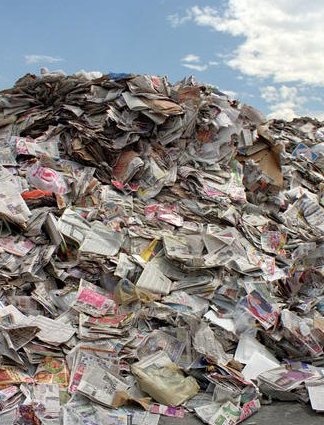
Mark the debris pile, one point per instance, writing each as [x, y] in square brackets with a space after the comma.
[161, 251]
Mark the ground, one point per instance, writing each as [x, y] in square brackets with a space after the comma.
[276, 414]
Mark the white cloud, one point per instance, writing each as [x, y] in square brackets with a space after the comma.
[191, 58]
[317, 114]
[284, 102]
[196, 67]
[175, 20]
[191, 61]
[230, 93]
[281, 39]
[34, 59]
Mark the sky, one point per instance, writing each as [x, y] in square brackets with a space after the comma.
[267, 53]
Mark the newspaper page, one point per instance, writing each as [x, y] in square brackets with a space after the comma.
[114, 416]
[312, 212]
[12, 205]
[160, 212]
[7, 156]
[12, 375]
[100, 384]
[37, 258]
[260, 309]
[93, 300]
[273, 241]
[205, 342]
[305, 343]
[182, 301]
[183, 248]
[207, 411]
[248, 409]
[41, 295]
[228, 414]
[316, 394]
[83, 359]
[8, 352]
[79, 414]
[288, 378]
[16, 245]
[73, 226]
[9, 398]
[161, 409]
[9, 417]
[52, 370]
[36, 351]
[83, 413]
[153, 280]
[115, 204]
[161, 341]
[197, 283]
[247, 346]
[28, 146]
[258, 364]
[26, 304]
[17, 316]
[51, 331]
[51, 226]
[124, 266]
[199, 400]
[107, 323]
[167, 268]
[18, 335]
[47, 399]
[101, 241]
[134, 102]
[140, 417]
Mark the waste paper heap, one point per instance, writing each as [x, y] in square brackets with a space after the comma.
[161, 252]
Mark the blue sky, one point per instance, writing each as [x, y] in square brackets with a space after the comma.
[267, 52]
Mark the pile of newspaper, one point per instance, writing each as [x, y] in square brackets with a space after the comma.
[161, 252]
